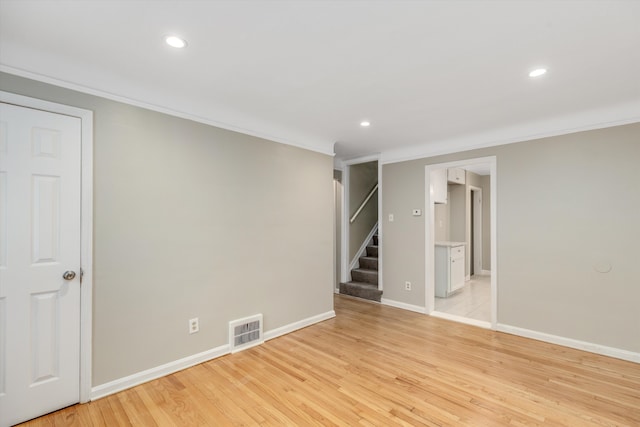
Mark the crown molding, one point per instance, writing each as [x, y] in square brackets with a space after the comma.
[317, 146]
[617, 115]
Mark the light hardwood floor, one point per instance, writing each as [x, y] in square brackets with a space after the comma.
[472, 301]
[375, 365]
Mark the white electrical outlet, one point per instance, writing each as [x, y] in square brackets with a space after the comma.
[407, 286]
[416, 212]
[194, 325]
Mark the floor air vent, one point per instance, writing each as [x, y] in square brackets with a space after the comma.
[245, 333]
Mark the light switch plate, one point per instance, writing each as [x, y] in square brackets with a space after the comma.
[417, 212]
[390, 217]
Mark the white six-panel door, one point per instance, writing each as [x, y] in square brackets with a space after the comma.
[39, 241]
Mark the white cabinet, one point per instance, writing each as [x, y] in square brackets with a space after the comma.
[456, 176]
[449, 268]
[439, 185]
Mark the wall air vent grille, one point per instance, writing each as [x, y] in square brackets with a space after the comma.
[245, 333]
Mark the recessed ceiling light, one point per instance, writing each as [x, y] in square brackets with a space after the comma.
[365, 123]
[537, 72]
[176, 42]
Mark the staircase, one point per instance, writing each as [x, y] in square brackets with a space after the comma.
[364, 283]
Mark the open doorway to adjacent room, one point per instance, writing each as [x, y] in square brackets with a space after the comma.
[460, 241]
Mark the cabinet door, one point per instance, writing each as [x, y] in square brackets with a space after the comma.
[456, 176]
[439, 186]
[457, 273]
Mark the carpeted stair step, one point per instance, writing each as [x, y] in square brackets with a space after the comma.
[375, 239]
[372, 251]
[369, 262]
[361, 290]
[365, 276]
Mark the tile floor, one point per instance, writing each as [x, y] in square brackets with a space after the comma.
[472, 301]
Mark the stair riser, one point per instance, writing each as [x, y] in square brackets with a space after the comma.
[369, 263]
[370, 294]
[375, 240]
[372, 251]
[366, 277]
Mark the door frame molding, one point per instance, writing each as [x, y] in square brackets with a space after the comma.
[86, 224]
[476, 225]
[345, 167]
[430, 240]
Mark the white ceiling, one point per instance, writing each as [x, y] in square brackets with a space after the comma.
[431, 76]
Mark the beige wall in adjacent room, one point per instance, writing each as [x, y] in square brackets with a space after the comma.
[486, 222]
[196, 221]
[482, 182]
[565, 205]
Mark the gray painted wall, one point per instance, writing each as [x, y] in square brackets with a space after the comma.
[192, 220]
[565, 205]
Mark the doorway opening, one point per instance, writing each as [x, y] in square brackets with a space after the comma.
[460, 241]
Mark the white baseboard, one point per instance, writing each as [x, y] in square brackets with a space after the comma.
[485, 273]
[186, 362]
[461, 319]
[403, 305]
[157, 372]
[275, 333]
[569, 342]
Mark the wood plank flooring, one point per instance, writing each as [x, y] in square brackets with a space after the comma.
[375, 365]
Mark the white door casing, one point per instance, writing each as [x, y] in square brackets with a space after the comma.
[490, 161]
[40, 239]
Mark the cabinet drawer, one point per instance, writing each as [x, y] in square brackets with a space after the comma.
[457, 252]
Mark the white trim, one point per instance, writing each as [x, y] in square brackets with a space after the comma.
[157, 372]
[320, 147]
[337, 192]
[363, 248]
[429, 242]
[403, 305]
[493, 218]
[345, 274]
[346, 224]
[429, 232]
[601, 118]
[186, 362]
[86, 225]
[461, 319]
[286, 329]
[485, 273]
[379, 226]
[569, 342]
[363, 159]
